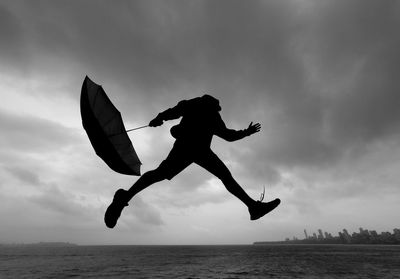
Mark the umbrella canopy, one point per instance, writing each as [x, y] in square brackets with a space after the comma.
[106, 131]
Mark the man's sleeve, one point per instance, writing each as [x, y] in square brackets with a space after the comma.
[228, 134]
[173, 113]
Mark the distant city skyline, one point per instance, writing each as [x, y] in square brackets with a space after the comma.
[364, 236]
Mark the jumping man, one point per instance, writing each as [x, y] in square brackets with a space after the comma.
[200, 121]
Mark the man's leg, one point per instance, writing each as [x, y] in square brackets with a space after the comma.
[145, 181]
[213, 164]
[171, 166]
[210, 161]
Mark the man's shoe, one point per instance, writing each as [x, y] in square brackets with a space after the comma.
[115, 208]
[259, 209]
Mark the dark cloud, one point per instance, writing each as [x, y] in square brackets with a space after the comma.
[359, 50]
[11, 46]
[159, 50]
[341, 91]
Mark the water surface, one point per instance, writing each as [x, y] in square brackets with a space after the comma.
[247, 261]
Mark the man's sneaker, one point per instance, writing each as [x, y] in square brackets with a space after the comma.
[115, 208]
[259, 209]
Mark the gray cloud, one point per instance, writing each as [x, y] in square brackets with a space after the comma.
[143, 212]
[189, 197]
[52, 199]
[24, 175]
[25, 133]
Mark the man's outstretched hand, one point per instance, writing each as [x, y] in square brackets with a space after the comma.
[156, 122]
[253, 128]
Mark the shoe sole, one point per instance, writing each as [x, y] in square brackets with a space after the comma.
[273, 204]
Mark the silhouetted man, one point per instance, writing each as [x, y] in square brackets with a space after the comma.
[200, 121]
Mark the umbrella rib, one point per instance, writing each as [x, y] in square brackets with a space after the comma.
[109, 121]
[121, 144]
[95, 97]
[116, 134]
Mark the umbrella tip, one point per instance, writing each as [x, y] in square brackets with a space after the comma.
[87, 79]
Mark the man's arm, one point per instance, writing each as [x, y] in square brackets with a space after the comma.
[169, 114]
[233, 135]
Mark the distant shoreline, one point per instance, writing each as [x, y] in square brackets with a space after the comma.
[257, 243]
[42, 244]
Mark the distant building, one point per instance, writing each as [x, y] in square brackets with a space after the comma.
[328, 235]
[320, 234]
[364, 232]
[315, 236]
[346, 236]
[396, 233]
[374, 237]
[305, 234]
[342, 238]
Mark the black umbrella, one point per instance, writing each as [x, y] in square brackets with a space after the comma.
[106, 131]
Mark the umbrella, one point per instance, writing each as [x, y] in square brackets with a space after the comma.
[106, 131]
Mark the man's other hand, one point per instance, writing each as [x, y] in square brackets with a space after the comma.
[253, 128]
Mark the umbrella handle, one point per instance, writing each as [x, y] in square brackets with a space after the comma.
[141, 127]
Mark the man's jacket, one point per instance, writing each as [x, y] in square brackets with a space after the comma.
[200, 121]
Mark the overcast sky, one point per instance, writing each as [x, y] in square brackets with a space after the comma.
[322, 77]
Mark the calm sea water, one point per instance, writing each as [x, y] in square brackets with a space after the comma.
[274, 261]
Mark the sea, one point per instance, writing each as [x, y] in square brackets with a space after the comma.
[228, 261]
